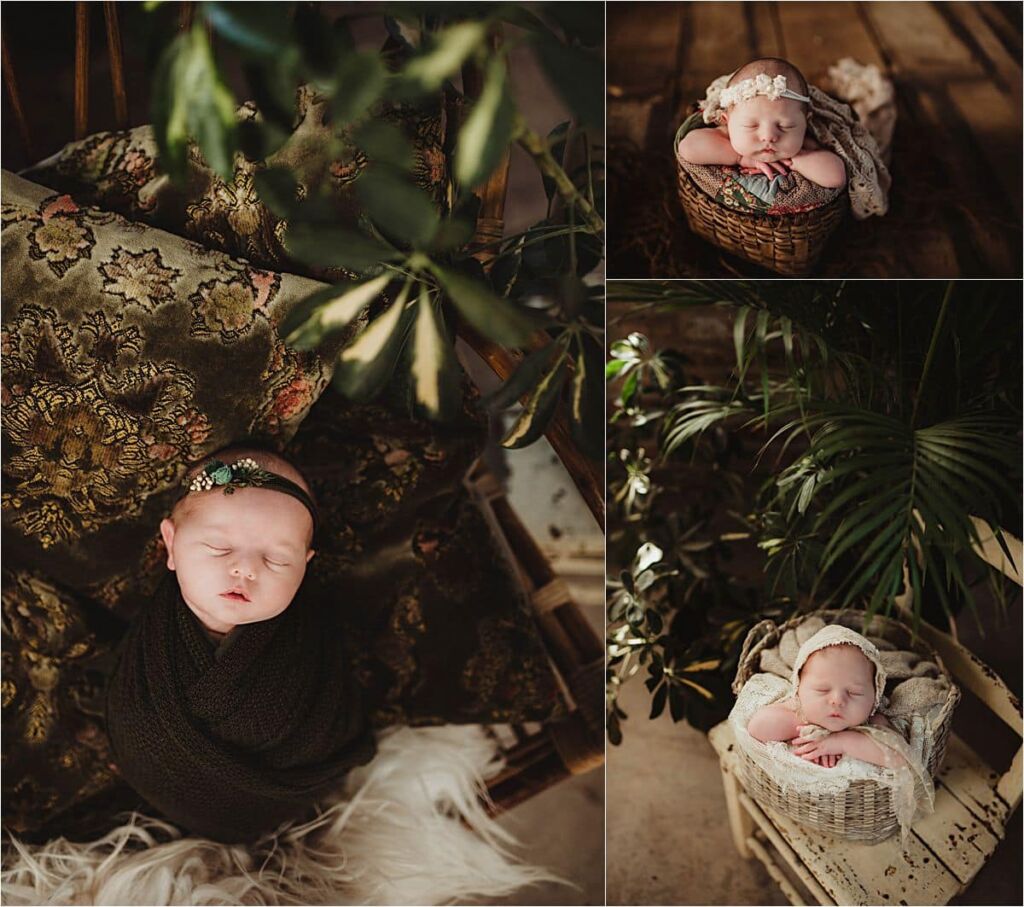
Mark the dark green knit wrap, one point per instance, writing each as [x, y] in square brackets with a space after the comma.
[229, 741]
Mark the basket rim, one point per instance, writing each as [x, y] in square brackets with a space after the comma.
[776, 221]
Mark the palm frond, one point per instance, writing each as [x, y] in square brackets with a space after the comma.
[889, 495]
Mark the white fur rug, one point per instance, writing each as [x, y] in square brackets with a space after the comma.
[409, 829]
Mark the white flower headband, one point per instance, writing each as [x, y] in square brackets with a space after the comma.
[719, 97]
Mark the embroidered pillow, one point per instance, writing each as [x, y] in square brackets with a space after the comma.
[118, 171]
[128, 354]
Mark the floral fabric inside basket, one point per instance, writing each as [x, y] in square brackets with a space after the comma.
[754, 193]
[916, 702]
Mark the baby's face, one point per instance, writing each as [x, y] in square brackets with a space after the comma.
[240, 558]
[837, 688]
[767, 130]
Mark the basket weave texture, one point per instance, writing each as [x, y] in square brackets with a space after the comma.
[789, 244]
[864, 811]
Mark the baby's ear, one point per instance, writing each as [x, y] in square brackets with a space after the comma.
[309, 555]
[167, 531]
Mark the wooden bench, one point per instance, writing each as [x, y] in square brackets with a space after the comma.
[973, 803]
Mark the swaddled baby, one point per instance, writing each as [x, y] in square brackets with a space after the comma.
[763, 127]
[839, 686]
[230, 709]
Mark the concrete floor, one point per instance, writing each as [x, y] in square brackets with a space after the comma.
[668, 837]
[562, 830]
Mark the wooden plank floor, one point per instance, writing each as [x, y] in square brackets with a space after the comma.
[956, 198]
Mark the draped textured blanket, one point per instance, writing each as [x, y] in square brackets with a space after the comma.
[231, 740]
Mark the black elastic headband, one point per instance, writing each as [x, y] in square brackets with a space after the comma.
[247, 473]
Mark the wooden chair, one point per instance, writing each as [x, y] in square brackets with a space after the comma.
[945, 851]
[537, 756]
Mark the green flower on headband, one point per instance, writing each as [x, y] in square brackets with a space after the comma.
[243, 473]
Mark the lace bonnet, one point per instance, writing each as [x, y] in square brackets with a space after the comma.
[837, 635]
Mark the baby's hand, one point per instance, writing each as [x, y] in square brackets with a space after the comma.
[768, 168]
[817, 750]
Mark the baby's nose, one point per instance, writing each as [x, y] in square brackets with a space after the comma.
[243, 569]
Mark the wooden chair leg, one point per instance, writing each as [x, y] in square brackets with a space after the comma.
[740, 823]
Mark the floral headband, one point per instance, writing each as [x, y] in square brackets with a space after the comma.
[247, 473]
[720, 95]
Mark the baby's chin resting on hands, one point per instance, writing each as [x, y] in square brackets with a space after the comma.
[712, 146]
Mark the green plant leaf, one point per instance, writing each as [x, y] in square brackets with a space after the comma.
[556, 139]
[278, 190]
[191, 100]
[260, 29]
[587, 410]
[434, 370]
[397, 207]
[487, 131]
[613, 367]
[328, 311]
[336, 247]
[384, 143]
[258, 140]
[540, 408]
[366, 364]
[361, 81]
[445, 53]
[497, 318]
[658, 701]
[523, 379]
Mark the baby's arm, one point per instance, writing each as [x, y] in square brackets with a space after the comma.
[707, 146]
[711, 146]
[777, 721]
[821, 167]
[850, 743]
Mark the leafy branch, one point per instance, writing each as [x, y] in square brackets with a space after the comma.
[865, 438]
[409, 257]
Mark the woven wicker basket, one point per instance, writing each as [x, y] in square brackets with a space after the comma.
[864, 812]
[789, 244]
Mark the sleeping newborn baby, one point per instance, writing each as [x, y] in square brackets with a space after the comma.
[230, 708]
[838, 689]
[240, 557]
[763, 127]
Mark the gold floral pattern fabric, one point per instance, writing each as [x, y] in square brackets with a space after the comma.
[54, 664]
[128, 354]
[117, 171]
[437, 627]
